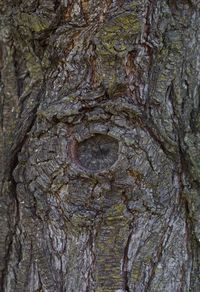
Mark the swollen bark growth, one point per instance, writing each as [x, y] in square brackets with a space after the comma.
[100, 145]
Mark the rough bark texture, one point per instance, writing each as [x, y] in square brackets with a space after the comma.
[100, 145]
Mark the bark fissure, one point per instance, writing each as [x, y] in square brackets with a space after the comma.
[99, 146]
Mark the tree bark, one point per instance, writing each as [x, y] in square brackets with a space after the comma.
[100, 145]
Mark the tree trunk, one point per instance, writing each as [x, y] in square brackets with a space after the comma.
[100, 145]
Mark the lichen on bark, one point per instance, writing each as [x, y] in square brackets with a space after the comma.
[99, 146]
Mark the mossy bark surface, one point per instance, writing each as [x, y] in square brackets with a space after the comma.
[99, 146]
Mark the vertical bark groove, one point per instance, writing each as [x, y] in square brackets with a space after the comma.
[99, 145]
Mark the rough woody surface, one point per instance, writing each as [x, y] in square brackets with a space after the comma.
[99, 145]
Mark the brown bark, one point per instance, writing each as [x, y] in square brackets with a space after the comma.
[99, 145]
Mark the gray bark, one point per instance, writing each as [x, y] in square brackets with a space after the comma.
[100, 145]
